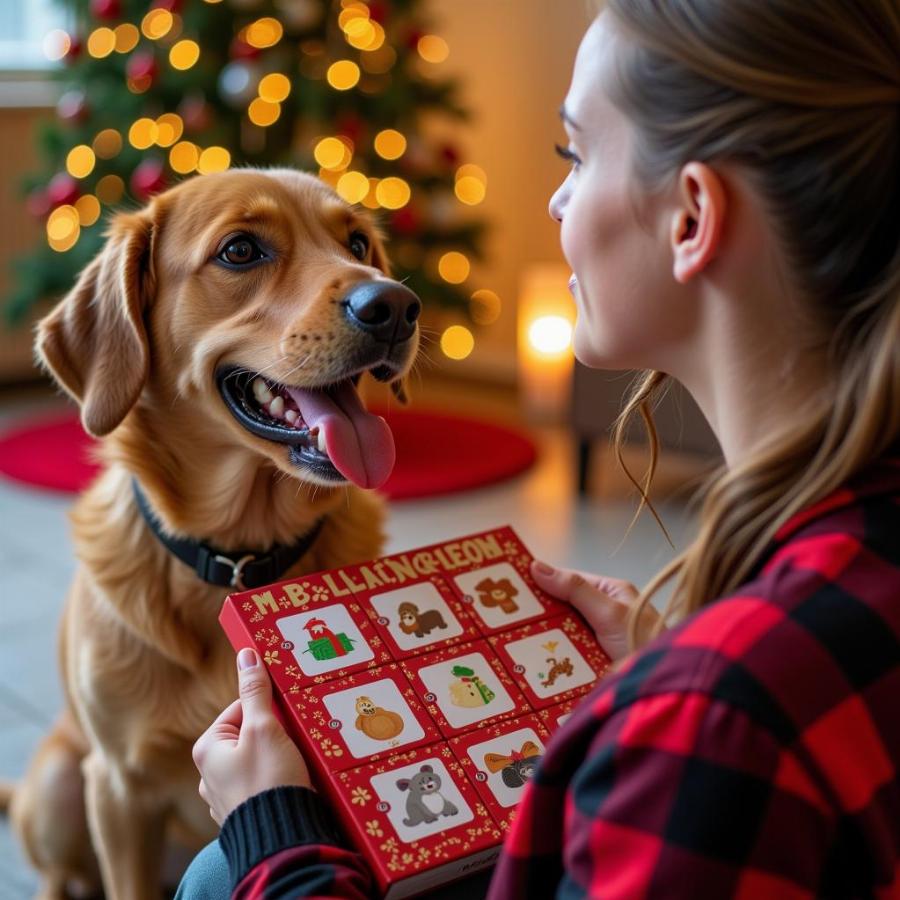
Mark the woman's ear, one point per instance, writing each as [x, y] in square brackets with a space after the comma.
[697, 225]
[94, 342]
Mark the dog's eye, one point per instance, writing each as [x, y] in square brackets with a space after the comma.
[241, 251]
[359, 244]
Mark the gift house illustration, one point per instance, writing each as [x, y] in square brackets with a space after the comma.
[324, 643]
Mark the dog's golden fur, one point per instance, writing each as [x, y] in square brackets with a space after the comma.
[136, 342]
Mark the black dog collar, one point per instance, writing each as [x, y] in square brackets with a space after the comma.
[239, 569]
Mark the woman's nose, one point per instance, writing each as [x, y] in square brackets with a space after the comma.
[556, 205]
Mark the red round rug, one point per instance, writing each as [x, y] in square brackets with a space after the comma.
[436, 453]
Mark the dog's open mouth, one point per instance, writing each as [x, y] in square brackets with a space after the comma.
[328, 429]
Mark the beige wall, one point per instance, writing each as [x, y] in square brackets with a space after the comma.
[515, 58]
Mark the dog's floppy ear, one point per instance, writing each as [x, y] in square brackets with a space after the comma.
[94, 341]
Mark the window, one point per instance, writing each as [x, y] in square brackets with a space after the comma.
[23, 26]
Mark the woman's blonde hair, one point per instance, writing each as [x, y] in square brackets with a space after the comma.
[804, 96]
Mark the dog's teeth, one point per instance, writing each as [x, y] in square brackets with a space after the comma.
[276, 407]
[291, 416]
[261, 391]
[320, 442]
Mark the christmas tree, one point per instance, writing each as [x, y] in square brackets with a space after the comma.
[155, 92]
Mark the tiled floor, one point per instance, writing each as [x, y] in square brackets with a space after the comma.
[36, 565]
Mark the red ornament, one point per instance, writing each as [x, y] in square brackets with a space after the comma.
[72, 107]
[242, 50]
[74, 50]
[173, 6]
[141, 67]
[63, 188]
[195, 112]
[406, 221]
[449, 154]
[351, 126]
[38, 203]
[413, 37]
[106, 9]
[148, 178]
[378, 11]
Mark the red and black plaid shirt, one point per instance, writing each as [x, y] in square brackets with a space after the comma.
[752, 751]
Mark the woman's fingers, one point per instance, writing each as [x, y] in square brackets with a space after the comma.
[603, 602]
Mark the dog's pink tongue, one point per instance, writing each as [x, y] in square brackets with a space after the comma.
[358, 443]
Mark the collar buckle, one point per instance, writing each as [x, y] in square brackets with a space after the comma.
[237, 569]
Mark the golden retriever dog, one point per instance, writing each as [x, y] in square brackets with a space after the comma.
[215, 345]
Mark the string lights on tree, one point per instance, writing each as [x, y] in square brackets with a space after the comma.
[154, 91]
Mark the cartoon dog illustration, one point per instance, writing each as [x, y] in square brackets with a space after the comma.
[424, 797]
[556, 669]
[375, 722]
[518, 767]
[419, 624]
[498, 593]
[469, 690]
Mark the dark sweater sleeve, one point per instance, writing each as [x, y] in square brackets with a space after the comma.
[283, 843]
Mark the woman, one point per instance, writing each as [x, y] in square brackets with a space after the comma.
[732, 218]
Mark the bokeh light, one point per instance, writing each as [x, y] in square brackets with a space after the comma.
[127, 37]
[353, 187]
[390, 144]
[88, 208]
[143, 133]
[343, 74]
[107, 143]
[392, 193]
[275, 87]
[262, 33]
[262, 112]
[157, 23]
[457, 342]
[550, 334]
[454, 267]
[484, 307]
[80, 161]
[184, 54]
[184, 157]
[432, 48]
[110, 189]
[213, 159]
[101, 42]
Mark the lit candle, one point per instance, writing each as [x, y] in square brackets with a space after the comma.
[546, 314]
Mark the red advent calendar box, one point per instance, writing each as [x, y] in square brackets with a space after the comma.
[422, 688]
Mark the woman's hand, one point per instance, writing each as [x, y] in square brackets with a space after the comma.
[604, 603]
[246, 750]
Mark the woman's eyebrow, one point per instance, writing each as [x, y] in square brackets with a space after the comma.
[564, 115]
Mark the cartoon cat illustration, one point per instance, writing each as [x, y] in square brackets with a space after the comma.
[518, 767]
[424, 797]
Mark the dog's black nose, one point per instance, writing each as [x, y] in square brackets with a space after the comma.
[385, 309]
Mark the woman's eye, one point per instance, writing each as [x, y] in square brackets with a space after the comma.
[240, 251]
[359, 245]
[568, 155]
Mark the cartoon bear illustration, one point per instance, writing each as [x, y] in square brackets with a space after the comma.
[419, 624]
[424, 797]
[498, 593]
[375, 722]
[518, 767]
[469, 690]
